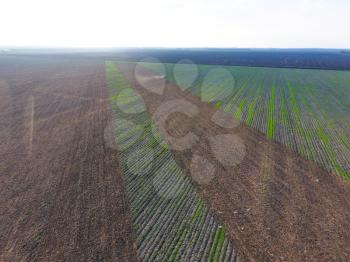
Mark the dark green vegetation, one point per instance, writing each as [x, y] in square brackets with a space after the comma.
[306, 110]
[335, 59]
[171, 222]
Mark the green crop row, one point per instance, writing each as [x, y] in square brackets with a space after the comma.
[306, 110]
[171, 222]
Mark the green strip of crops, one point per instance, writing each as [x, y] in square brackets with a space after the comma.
[170, 220]
[271, 122]
[306, 110]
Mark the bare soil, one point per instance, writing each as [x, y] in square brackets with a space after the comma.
[274, 204]
[62, 195]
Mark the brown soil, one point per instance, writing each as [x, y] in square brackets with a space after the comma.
[275, 205]
[62, 195]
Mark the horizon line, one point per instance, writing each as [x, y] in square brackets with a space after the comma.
[164, 47]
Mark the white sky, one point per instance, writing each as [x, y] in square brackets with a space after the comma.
[175, 23]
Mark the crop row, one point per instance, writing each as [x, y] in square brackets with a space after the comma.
[306, 110]
[170, 220]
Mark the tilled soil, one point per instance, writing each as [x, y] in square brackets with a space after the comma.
[62, 195]
[275, 205]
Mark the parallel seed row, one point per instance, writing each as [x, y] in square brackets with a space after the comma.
[170, 220]
[306, 110]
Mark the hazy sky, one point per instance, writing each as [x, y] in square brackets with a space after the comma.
[176, 23]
